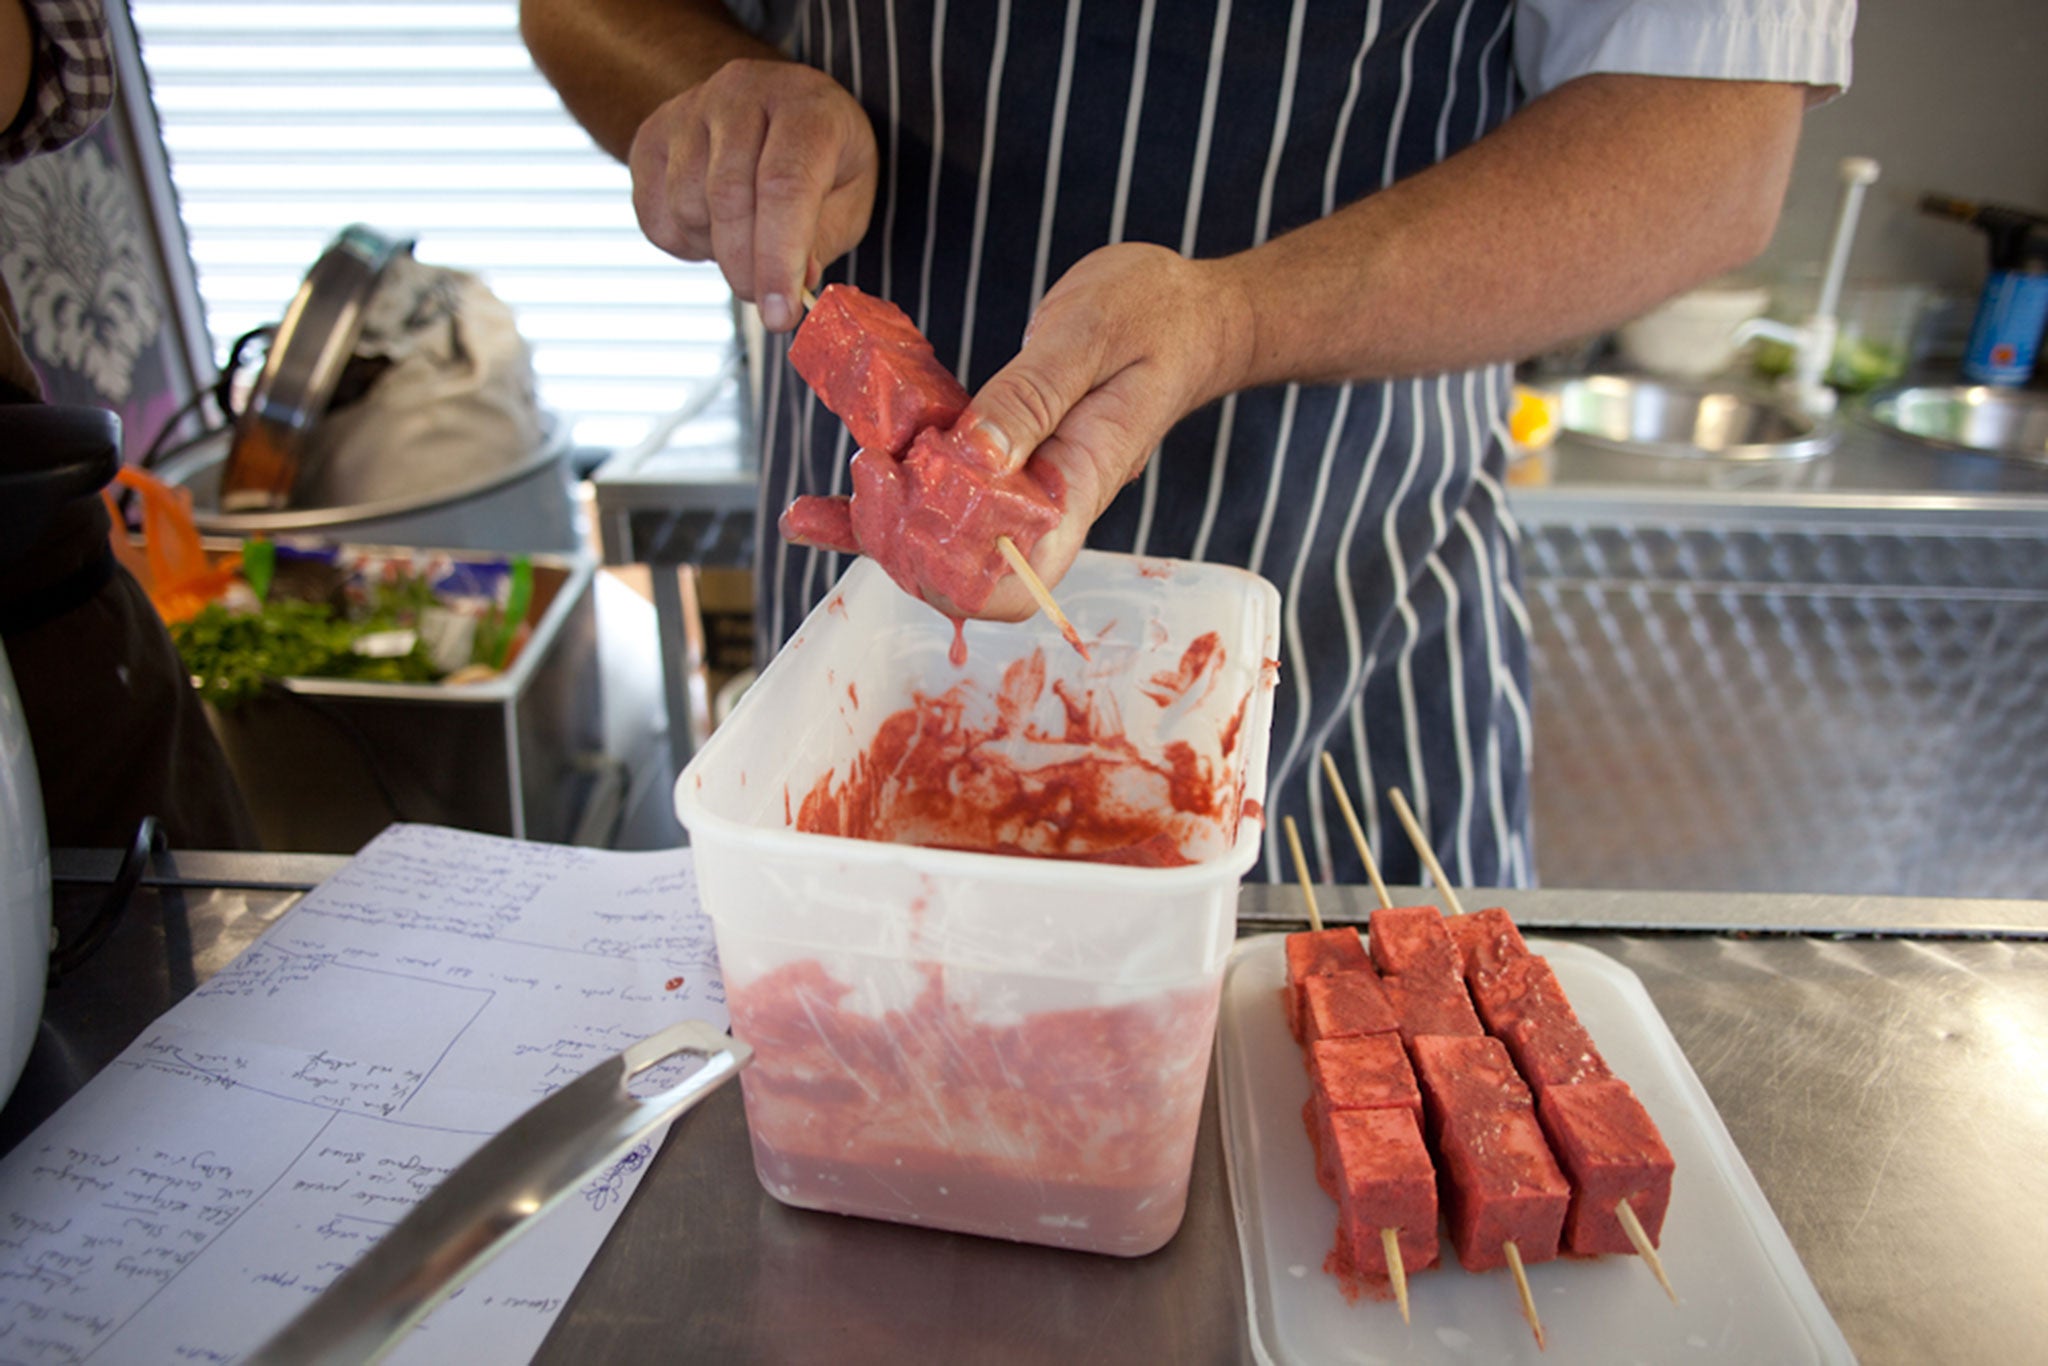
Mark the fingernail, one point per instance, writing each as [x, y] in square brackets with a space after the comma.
[994, 436]
[776, 314]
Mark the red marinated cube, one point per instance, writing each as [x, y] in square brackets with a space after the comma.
[1524, 985]
[1368, 1073]
[874, 370]
[1466, 1075]
[933, 518]
[1319, 953]
[1345, 1005]
[1607, 1143]
[1411, 941]
[1552, 1049]
[1487, 941]
[1425, 1006]
[1500, 1183]
[1386, 1181]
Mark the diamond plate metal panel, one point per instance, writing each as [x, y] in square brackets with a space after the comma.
[1864, 728]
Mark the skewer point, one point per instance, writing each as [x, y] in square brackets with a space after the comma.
[1636, 1234]
[1308, 891]
[1041, 594]
[1397, 1270]
[1514, 1255]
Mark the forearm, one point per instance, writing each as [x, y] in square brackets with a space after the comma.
[1582, 210]
[615, 61]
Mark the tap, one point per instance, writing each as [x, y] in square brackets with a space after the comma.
[1813, 340]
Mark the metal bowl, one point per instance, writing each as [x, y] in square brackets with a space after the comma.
[1641, 415]
[2012, 423]
[313, 345]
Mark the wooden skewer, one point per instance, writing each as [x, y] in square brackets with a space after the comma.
[810, 300]
[1397, 1271]
[1644, 1247]
[1041, 594]
[1372, 867]
[1308, 891]
[1629, 1223]
[1390, 1238]
[1415, 836]
[1522, 1287]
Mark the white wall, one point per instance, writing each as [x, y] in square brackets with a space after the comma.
[1949, 96]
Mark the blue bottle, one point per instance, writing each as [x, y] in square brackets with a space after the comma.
[2005, 337]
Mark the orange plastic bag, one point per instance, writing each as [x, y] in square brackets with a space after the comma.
[172, 565]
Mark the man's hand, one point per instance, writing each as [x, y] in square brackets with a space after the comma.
[767, 168]
[1130, 341]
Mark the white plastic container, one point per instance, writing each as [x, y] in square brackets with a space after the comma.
[986, 1042]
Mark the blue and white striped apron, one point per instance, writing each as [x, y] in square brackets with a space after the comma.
[1014, 139]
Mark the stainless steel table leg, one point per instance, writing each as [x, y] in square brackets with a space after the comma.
[682, 658]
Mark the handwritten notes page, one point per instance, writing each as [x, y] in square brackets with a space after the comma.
[260, 1135]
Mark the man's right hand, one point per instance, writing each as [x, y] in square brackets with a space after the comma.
[767, 168]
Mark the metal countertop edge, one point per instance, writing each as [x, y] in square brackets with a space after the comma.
[1265, 906]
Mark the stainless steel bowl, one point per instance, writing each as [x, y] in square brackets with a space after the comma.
[2012, 423]
[1641, 415]
[313, 345]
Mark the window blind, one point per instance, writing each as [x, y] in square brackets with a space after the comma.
[284, 123]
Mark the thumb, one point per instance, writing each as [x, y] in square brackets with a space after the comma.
[1024, 403]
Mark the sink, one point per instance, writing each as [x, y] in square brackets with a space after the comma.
[2006, 422]
[1643, 415]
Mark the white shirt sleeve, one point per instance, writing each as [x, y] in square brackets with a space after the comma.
[1805, 42]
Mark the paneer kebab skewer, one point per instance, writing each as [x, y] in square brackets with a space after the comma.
[1498, 1203]
[931, 503]
[1364, 1113]
[1600, 1132]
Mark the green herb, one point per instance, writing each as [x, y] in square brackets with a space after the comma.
[233, 656]
[259, 565]
[499, 627]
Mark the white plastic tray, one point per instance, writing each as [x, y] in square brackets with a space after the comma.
[1744, 1297]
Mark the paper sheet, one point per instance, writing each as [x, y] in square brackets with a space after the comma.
[257, 1137]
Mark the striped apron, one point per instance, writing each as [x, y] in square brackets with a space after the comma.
[1014, 139]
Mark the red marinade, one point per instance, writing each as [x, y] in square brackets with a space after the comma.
[1466, 1075]
[1487, 940]
[931, 519]
[1610, 1147]
[1425, 1006]
[1411, 941]
[1500, 1183]
[1316, 953]
[934, 776]
[872, 368]
[1554, 1049]
[1522, 986]
[1039, 1127]
[1367, 1073]
[1385, 1179]
[1345, 1005]
[930, 496]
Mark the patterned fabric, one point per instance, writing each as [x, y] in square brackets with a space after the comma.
[72, 83]
[1014, 139]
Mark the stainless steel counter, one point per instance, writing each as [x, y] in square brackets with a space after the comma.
[1872, 471]
[1819, 677]
[1889, 1090]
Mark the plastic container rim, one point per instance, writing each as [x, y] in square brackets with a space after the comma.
[699, 821]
